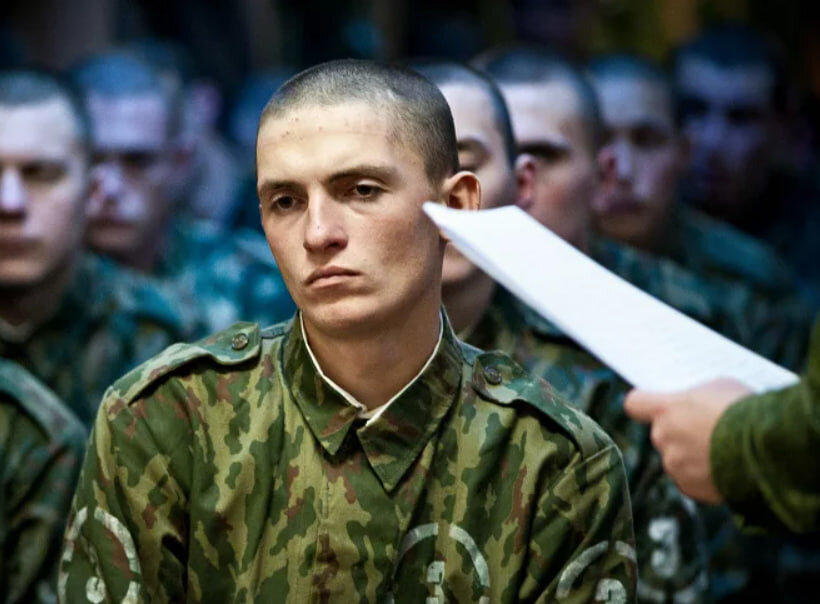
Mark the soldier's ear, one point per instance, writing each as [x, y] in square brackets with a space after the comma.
[525, 170]
[462, 191]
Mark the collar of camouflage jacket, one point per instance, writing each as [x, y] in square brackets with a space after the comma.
[393, 440]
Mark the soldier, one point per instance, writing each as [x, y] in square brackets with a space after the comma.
[360, 451]
[669, 537]
[41, 448]
[76, 322]
[135, 122]
[644, 154]
[733, 97]
[556, 121]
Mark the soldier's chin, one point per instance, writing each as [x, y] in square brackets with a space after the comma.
[21, 275]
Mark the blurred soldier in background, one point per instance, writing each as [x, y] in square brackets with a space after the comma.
[140, 161]
[556, 120]
[668, 532]
[41, 449]
[75, 321]
[643, 156]
[733, 93]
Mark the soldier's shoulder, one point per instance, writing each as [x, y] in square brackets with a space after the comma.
[142, 298]
[231, 347]
[31, 397]
[498, 378]
[736, 253]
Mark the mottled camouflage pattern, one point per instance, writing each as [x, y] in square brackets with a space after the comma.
[229, 275]
[668, 532]
[775, 329]
[41, 448]
[108, 322]
[715, 249]
[229, 471]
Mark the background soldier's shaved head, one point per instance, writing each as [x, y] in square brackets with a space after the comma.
[443, 73]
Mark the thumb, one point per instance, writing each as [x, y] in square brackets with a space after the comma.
[644, 406]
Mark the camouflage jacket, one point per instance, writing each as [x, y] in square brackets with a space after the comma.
[764, 454]
[230, 471]
[775, 329]
[712, 248]
[108, 322]
[668, 532]
[229, 276]
[41, 448]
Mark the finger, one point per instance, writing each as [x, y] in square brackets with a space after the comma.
[644, 406]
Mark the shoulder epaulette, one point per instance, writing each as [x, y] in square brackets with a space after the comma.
[38, 402]
[232, 346]
[498, 378]
[276, 330]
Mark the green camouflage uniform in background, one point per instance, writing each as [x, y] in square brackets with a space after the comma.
[230, 471]
[108, 322]
[668, 532]
[229, 275]
[41, 449]
[712, 248]
[776, 330]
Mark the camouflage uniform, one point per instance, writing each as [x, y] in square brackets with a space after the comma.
[230, 471]
[108, 321]
[41, 448]
[712, 248]
[668, 531]
[230, 276]
[774, 329]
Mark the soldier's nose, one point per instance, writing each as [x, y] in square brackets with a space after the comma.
[13, 198]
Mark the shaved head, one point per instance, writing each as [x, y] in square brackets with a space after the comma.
[416, 107]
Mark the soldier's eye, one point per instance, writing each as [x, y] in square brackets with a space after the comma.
[43, 172]
[365, 191]
[284, 203]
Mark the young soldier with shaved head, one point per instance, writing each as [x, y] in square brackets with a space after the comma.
[75, 321]
[360, 452]
[135, 116]
[668, 533]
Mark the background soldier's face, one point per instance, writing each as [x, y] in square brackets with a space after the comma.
[549, 124]
[43, 178]
[340, 199]
[481, 151]
[133, 163]
[729, 119]
[644, 158]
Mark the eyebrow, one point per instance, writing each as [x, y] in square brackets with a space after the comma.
[384, 173]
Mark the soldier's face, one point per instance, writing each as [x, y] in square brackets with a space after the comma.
[481, 151]
[43, 183]
[729, 119]
[340, 200]
[644, 157]
[549, 124]
[133, 165]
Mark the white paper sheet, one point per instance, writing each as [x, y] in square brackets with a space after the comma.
[650, 344]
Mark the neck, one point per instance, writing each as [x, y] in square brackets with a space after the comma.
[467, 302]
[374, 365]
[31, 306]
